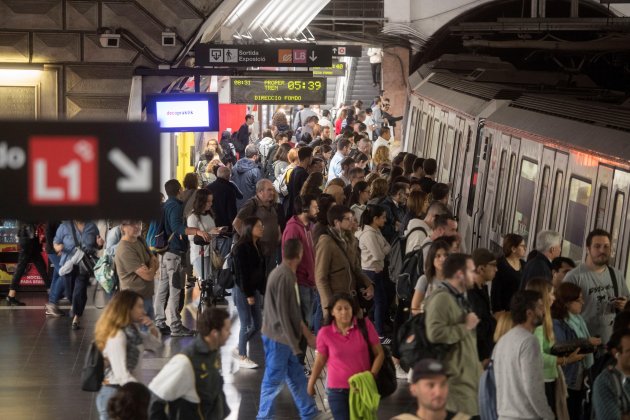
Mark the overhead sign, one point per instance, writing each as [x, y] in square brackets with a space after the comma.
[337, 69]
[276, 90]
[346, 50]
[77, 170]
[263, 55]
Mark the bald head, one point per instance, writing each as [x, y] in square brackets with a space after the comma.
[223, 172]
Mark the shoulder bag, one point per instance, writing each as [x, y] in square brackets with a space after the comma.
[87, 263]
[386, 381]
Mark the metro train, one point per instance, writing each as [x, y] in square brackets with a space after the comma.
[521, 160]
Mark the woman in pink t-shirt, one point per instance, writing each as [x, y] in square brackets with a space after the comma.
[341, 344]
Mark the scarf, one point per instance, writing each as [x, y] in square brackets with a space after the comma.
[577, 324]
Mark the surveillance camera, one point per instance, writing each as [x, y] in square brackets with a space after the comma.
[169, 39]
[110, 40]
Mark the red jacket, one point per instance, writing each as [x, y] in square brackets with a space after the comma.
[306, 270]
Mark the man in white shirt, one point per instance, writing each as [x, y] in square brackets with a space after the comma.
[382, 140]
[343, 150]
[376, 56]
[324, 121]
[191, 383]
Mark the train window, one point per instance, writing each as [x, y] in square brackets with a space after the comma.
[555, 207]
[447, 155]
[601, 207]
[542, 200]
[524, 202]
[472, 189]
[576, 223]
[615, 226]
[435, 140]
[499, 191]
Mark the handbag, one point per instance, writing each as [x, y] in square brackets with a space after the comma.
[386, 381]
[568, 347]
[93, 371]
[87, 263]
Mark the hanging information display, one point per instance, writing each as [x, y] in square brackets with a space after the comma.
[277, 90]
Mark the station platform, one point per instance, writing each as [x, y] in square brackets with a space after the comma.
[41, 360]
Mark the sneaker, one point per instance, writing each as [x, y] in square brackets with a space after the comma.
[400, 373]
[183, 332]
[12, 301]
[307, 372]
[385, 341]
[53, 310]
[247, 363]
[164, 329]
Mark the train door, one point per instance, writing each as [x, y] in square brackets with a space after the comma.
[497, 179]
[457, 170]
[510, 186]
[427, 125]
[525, 193]
[481, 165]
[619, 224]
[544, 192]
[579, 208]
[464, 167]
[558, 192]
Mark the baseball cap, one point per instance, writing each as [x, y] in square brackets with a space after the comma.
[427, 368]
[482, 256]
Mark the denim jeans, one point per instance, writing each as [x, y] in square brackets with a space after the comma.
[166, 295]
[250, 317]
[76, 285]
[307, 304]
[281, 366]
[339, 403]
[380, 299]
[57, 285]
[102, 398]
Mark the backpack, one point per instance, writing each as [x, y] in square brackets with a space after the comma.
[413, 344]
[281, 184]
[397, 253]
[268, 170]
[488, 394]
[93, 371]
[105, 273]
[157, 238]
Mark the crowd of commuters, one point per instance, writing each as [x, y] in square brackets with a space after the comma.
[316, 211]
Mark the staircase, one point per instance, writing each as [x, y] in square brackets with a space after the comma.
[331, 88]
[360, 86]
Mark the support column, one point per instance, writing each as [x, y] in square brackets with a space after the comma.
[395, 71]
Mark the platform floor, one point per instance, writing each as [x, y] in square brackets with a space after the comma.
[41, 360]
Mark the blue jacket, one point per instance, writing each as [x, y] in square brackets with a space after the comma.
[564, 333]
[174, 221]
[245, 175]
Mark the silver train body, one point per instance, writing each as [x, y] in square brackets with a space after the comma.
[523, 162]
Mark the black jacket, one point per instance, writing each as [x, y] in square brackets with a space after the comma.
[506, 282]
[480, 302]
[225, 194]
[249, 267]
[539, 266]
[296, 181]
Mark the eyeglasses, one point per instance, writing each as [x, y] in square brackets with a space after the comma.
[349, 218]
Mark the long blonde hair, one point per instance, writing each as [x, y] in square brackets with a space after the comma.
[115, 317]
[381, 155]
[542, 286]
[504, 324]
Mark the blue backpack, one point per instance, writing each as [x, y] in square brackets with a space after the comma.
[488, 394]
[157, 238]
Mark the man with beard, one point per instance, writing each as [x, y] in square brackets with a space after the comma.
[450, 320]
[518, 372]
[300, 227]
[603, 287]
[429, 384]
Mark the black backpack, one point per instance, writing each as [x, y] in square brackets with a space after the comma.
[93, 371]
[413, 344]
[397, 253]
